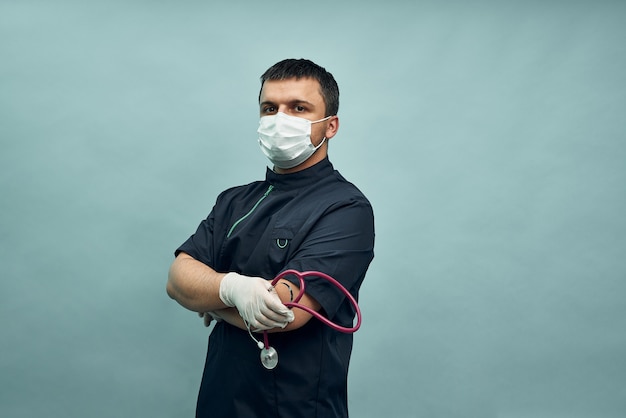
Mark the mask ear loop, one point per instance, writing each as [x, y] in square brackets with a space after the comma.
[320, 144]
[323, 139]
[322, 120]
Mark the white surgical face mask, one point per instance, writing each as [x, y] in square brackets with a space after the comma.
[286, 140]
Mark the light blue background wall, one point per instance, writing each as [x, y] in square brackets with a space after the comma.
[489, 136]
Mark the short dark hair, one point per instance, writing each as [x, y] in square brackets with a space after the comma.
[303, 68]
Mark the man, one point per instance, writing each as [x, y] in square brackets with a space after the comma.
[303, 216]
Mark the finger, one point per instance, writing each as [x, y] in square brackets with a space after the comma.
[215, 316]
[262, 322]
[275, 317]
[275, 320]
[274, 309]
[258, 326]
[254, 320]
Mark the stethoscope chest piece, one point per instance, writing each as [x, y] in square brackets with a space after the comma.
[269, 357]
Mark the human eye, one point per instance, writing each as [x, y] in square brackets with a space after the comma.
[299, 109]
[268, 109]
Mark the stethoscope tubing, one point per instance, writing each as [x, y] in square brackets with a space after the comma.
[294, 303]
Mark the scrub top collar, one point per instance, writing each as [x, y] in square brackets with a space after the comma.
[302, 178]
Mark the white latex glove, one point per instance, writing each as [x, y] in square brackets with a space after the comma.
[209, 317]
[256, 300]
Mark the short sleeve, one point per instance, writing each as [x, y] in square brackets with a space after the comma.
[200, 244]
[341, 244]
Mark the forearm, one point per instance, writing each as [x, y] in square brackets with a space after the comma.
[194, 285]
[286, 292]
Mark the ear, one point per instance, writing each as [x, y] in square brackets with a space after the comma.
[333, 127]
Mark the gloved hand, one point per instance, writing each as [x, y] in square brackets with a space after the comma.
[256, 300]
[209, 317]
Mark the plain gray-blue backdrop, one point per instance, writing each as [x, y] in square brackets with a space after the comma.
[488, 135]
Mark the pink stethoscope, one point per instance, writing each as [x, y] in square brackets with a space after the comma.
[269, 355]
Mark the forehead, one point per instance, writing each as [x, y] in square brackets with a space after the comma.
[291, 89]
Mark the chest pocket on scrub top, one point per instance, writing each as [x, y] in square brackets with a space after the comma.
[280, 247]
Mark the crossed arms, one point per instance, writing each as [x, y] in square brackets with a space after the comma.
[199, 288]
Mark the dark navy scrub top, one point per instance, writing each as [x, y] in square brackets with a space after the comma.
[310, 220]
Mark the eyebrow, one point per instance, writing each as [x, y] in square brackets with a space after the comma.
[291, 102]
